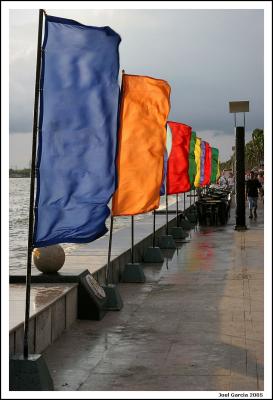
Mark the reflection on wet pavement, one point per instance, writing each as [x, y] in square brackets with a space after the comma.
[195, 325]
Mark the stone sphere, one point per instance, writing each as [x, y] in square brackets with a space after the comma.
[49, 259]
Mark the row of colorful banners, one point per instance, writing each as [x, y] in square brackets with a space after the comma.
[96, 143]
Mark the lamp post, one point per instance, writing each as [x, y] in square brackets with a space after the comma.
[239, 107]
[233, 160]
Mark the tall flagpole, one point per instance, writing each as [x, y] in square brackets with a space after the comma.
[166, 195]
[177, 210]
[132, 239]
[111, 230]
[154, 228]
[167, 222]
[32, 181]
[109, 250]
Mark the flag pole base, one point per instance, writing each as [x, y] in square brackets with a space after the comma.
[153, 255]
[240, 227]
[29, 374]
[133, 273]
[178, 233]
[186, 224]
[192, 217]
[113, 299]
[166, 242]
[169, 253]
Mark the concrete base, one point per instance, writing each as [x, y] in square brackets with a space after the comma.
[153, 255]
[186, 224]
[169, 253]
[240, 227]
[192, 217]
[178, 233]
[180, 242]
[166, 242]
[59, 277]
[28, 374]
[114, 301]
[133, 273]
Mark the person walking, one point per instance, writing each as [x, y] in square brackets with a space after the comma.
[246, 176]
[223, 180]
[231, 182]
[253, 187]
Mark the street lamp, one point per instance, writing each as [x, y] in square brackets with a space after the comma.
[233, 159]
[239, 107]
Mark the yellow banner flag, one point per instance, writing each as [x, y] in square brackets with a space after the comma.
[218, 171]
[145, 105]
[197, 155]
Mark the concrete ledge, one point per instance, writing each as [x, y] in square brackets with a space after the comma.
[53, 309]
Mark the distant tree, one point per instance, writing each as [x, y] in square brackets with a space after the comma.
[254, 152]
[226, 164]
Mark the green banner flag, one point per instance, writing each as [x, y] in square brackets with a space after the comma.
[214, 164]
[192, 163]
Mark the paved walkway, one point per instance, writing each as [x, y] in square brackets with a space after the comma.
[195, 325]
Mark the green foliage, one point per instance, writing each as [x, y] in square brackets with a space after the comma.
[226, 164]
[254, 152]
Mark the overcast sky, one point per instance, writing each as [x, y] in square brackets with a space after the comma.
[209, 57]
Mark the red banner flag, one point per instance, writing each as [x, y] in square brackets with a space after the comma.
[178, 180]
[207, 169]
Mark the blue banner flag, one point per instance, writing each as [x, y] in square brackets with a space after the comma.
[76, 174]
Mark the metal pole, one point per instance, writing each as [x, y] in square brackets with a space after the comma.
[132, 238]
[240, 178]
[184, 201]
[154, 228]
[190, 197]
[32, 181]
[109, 251]
[167, 222]
[177, 210]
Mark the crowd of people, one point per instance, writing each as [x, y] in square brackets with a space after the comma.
[227, 181]
[254, 187]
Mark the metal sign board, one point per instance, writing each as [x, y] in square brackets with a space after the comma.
[238, 106]
[97, 289]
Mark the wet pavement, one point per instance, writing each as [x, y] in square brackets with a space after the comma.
[195, 325]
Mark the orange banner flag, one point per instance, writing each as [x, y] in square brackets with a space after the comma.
[145, 105]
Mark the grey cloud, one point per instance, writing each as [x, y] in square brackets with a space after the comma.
[209, 57]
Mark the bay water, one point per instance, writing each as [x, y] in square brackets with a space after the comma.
[18, 222]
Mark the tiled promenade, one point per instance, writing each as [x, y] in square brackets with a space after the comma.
[195, 325]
